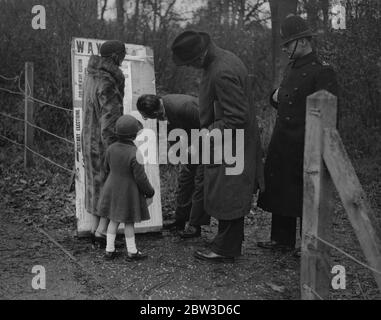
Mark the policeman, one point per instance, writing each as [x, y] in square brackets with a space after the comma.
[304, 75]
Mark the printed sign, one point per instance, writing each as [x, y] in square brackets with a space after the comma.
[139, 73]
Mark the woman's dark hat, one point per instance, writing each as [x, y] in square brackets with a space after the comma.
[127, 126]
[189, 46]
[111, 47]
[294, 28]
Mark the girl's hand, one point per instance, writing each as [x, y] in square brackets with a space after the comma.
[275, 95]
[149, 201]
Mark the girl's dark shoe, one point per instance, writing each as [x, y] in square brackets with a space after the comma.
[92, 239]
[111, 255]
[136, 256]
[100, 242]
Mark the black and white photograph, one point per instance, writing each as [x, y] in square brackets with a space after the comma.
[190, 155]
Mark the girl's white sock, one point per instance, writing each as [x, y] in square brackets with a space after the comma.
[131, 245]
[110, 247]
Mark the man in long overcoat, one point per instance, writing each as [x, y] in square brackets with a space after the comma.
[304, 75]
[224, 105]
[182, 112]
[102, 106]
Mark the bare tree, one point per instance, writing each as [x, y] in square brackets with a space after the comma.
[325, 9]
[103, 10]
[279, 11]
[120, 16]
[136, 18]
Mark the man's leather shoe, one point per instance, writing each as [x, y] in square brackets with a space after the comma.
[213, 257]
[273, 245]
[175, 225]
[191, 232]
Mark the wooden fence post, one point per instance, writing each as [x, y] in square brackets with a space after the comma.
[29, 109]
[315, 273]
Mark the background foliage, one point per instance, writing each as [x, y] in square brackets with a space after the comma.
[241, 26]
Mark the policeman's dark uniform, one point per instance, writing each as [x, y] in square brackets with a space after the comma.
[284, 164]
[182, 112]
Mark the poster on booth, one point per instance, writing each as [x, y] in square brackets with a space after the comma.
[138, 69]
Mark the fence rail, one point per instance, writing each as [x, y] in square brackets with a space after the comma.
[28, 120]
[326, 164]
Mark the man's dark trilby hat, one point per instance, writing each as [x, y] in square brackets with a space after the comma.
[189, 46]
[294, 28]
[127, 126]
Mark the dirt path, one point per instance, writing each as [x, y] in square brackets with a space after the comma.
[23, 247]
[171, 272]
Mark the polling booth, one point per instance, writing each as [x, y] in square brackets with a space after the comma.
[138, 69]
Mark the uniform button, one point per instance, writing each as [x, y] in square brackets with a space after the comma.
[288, 118]
[313, 63]
[296, 89]
[304, 74]
[290, 103]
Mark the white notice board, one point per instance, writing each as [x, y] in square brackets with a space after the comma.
[138, 69]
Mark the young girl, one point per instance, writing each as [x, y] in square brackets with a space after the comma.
[127, 193]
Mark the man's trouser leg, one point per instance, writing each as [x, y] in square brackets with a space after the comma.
[283, 230]
[184, 192]
[198, 216]
[228, 241]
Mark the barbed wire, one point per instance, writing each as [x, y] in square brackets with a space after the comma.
[11, 117]
[19, 82]
[28, 93]
[49, 160]
[39, 101]
[9, 79]
[312, 290]
[48, 104]
[345, 253]
[37, 127]
[12, 92]
[13, 141]
[50, 133]
[37, 154]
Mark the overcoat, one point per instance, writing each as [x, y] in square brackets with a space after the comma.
[284, 163]
[225, 104]
[102, 106]
[123, 196]
[182, 111]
